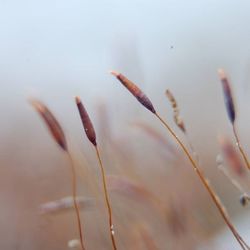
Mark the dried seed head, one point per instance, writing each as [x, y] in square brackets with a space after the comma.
[86, 122]
[135, 91]
[244, 199]
[228, 98]
[178, 120]
[51, 122]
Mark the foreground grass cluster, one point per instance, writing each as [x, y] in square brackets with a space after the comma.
[188, 151]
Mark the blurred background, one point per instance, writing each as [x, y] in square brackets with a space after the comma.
[54, 50]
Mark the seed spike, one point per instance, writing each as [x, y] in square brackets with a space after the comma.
[51, 122]
[231, 112]
[177, 118]
[135, 91]
[86, 122]
[228, 97]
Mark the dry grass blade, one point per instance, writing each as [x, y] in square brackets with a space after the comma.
[86, 122]
[135, 191]
[155, 135]
[65, 204]
[135, 91]
[51, 122]
[228, 98]
[178, 120]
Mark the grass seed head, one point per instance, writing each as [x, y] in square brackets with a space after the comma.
[228, 98]
[177, 118]
[51, 122]
[135, 91]
[86, 122]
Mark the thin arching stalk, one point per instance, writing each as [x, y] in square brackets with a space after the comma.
[74, 198]
[240, 147]
[214, 197]
[111, 226]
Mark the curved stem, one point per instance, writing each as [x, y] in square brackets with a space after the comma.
[74, 199]
[207, 186]
[111, 226]
[240, 147]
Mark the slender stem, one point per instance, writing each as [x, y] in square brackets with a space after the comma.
[231, 179]
[74, 199]
[111, 226]
[195, 155]
[240, 147]
[207, 186]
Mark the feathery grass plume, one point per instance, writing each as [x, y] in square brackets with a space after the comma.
[228, 97]
[90, 132]
[177, 118]
[179, 121]
[51, 122]
[58, 134]
[195, 166]
[135, 91]
[231, 156]
[231, 111]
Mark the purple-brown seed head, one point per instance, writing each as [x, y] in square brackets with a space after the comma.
[86, 122]
[135, 91]
[228, 98]
[51, 122]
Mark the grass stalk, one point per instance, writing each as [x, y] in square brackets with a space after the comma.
[242, 152]
[77, 210]
[104, 182]
[91, 135]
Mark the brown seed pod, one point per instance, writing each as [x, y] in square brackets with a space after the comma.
[86, 122]
[228, 98]
[51, 122]
[178, 120]
[135, 91]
